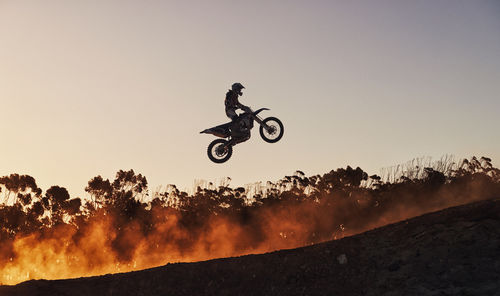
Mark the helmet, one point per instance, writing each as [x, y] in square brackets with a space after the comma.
[237, 87]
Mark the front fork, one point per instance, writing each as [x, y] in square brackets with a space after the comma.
[261, 122]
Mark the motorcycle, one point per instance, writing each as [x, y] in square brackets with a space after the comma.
[238, 131]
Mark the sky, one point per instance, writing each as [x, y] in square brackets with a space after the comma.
[91, 87]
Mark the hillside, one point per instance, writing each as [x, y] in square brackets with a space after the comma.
[451, 252]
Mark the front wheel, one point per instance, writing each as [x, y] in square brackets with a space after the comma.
[271, 130]
[219, 151]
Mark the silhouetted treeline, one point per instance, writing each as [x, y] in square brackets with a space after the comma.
[294, 211]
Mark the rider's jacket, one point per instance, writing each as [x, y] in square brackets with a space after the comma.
[231, 101]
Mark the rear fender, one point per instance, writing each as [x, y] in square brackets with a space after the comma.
[215, 132]
[222, 130]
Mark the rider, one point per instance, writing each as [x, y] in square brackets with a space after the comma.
[232, 103]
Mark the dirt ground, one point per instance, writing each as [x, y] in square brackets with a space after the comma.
[452, 252]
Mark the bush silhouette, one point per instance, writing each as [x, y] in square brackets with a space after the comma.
[296, 210]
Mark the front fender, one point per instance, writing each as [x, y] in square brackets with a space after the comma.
[260, 110]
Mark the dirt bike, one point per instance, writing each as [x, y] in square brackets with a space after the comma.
[238, 131]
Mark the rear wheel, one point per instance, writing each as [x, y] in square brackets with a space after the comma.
[219, 151]
[274, 130]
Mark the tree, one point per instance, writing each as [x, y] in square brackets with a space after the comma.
[127, 183]
[100, 190]
[57, 200]
[23, 187]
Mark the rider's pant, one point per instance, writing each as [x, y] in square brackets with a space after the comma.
[231, 113]
[236, 128]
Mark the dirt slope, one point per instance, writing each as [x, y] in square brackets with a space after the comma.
[452, 252]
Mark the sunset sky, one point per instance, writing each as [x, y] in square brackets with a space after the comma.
[91, 87]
